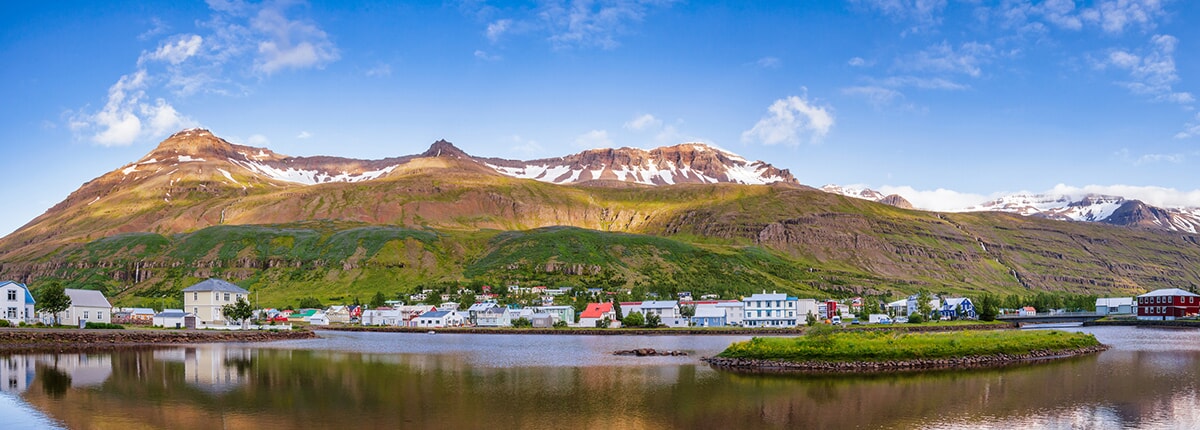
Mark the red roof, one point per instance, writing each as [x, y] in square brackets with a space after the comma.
[596, 310]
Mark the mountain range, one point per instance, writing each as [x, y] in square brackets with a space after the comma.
[689, 217]
[1114, 210]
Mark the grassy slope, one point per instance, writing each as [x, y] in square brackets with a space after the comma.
[901, 345]
[437, 221]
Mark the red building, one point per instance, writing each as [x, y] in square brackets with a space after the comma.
[1167, 304]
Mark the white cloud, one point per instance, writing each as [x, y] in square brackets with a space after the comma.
[592, 23]
[127, 117]
[525, 146]
[498, 28]
[289, 44]
[594, 139]
[967, 59]
[1190, 130]
[876, 96]
[483, 55]
[921, 83]
[769, 63]
[643, 123]
[1152, 74]
[791, 121]
[940, 200]
[922, 13]
[258, 140]
[304, 135]
[857, 62]
[380, 71]
[1155, 196]
[1115, 15]
[176, 52]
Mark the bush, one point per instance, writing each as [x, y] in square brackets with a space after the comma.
[916, 319]
[107, 326]
[560, 324]
[5, 323]
[522, 322]
[634, 319]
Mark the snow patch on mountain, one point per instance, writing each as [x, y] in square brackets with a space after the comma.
[309, 177]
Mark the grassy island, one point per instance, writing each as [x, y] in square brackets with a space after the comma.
[836, 350]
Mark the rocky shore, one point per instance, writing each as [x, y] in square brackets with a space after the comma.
[66, 340]
[651, 352]
[998, 360]
[722, 331]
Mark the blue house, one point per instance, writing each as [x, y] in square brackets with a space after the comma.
[709, 316]
[18, 303]
[950, 308]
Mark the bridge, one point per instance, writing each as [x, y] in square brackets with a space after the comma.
[1049, 318]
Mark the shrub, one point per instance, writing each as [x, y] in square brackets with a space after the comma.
[634, 319]
[107, 326]
[916, 319]
[522, 322]
[5, 323]
[560, 324]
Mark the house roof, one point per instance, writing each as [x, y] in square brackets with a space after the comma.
[88, 298]
[1169, 292]
[596, 310]
[28, 296]
[709, 312]
[171, 313]
[434, 314]
[142, 311]
[954, 302]
[769, 296]
[214, 284]
[1114, 301]
[659, 304]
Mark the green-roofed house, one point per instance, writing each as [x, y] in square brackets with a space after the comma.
[205, 300]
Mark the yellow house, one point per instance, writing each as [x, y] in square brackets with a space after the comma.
[206, 299]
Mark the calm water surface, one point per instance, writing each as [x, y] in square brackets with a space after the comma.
[388, 380]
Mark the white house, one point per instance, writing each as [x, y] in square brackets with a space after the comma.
[439, 319]
[665, 309]
[561, 313]
[770, 310]
[495, 316]
[596, 312]
[319, 318]
[382, 317]
[338, 313]
[734, 312]
[935, 305]
[86, 306]
[898, 308]
[171, 318]
[207, 298]
[18, 303]
[1115, 306]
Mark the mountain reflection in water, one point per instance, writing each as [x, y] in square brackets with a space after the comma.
[374, 380]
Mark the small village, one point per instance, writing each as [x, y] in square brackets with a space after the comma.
[207, 304]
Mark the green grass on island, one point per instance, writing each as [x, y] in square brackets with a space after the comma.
[843, 346]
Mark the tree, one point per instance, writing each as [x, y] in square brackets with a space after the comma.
[310, 303]
[379, 300]
[53, 299]
[687, 310]
[634, 319]
[603, 323]
[522, 322]
[923, 307]
[617, 308]
[988, 307]
[811, 319]
[653, 320]
[465, 300]
[238, 311]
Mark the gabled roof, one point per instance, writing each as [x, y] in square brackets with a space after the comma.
[141, 311]
[214, 284]
[1114, 301]
[1169, 292]
[659, 304]
[434, 314]
[87, 298]
[171, 313]
[596, 310]
[768, 296]
[954, 302]
[28, 296]
[709, 312]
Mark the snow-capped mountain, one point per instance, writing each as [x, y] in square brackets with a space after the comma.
[869, 194]
[1115, 210]
[679, 164]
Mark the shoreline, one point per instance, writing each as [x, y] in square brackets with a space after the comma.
[1144, 323]
[581, 331]
[748, 365]
[25, 340]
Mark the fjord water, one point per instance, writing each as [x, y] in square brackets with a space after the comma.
[1149, 379]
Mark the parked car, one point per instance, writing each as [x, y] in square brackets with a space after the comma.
[901, 320]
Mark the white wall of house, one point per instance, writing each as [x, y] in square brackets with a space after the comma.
[207, 305]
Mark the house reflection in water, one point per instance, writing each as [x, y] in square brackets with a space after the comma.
[18, 372]
[214, 367]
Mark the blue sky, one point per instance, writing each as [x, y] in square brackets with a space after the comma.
[948, 102]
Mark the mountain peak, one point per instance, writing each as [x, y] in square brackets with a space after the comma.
[193, 142]
[443, 148]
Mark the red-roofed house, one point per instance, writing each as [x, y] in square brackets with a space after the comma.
[596, 312]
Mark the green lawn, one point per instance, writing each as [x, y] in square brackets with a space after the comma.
[834, 345]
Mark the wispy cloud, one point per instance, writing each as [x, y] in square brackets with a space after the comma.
[239, 39]
[304, 135]
[1114, 16]
[594, 139]
[1152, 73]
[1190, 130]
[876, 96]
[858, 62]
[524, 146]
[966, 58]
[943, 200]
[483, 55]
[769, 63]
[791, 121]
[497, 29]
[1126, 155]
[643, 123]
[921, 14]
[379, 71]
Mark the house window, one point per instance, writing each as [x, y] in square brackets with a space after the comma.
[99, 315]
[85, 314]
[12, 312]
[195, 295]
[227, 297]
[12, 295]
